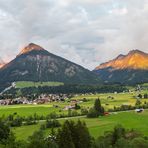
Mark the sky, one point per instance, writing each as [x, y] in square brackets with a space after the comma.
[87, 32]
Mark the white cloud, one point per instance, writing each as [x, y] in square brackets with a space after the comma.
[118, 11]
[86, 32]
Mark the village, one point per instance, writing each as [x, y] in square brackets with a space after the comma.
[44, 99]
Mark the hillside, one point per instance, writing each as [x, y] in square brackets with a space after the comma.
[127, 69]
[34, 63]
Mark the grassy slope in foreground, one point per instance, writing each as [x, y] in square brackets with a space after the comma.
[24, 84]
[98, 126]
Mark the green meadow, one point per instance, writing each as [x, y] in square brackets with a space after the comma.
[45, 109]
[97, 126]
[25, 84]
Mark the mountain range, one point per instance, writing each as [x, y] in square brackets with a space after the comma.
[126, 69]
[34, 63]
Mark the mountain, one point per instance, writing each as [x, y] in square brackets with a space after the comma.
[36, 64]
[127, 69]
[31, 47]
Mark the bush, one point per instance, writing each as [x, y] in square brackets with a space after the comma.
[145, 96]
[84, 111]
[77, 106]
[52, 115]
[52, 123]
[138, 102]
[92, 113]
[30, 121]
[42, 127]
[16, 122]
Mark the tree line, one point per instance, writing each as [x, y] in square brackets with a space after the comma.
[65, 89]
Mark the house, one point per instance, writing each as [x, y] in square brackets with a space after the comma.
[69, 107]
[106, 113]
[139, 110]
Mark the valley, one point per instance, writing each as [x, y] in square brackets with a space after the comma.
[73, 74]
[97, 126]
[42, 92]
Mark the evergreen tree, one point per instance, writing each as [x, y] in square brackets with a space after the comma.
[145, 96]
[37, 140]
[97, 105]
[74, 135]
[64, 136]
[119, 132]
[138, 102]
[4, 131]
[82, 135]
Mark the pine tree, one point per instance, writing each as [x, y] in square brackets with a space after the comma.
[98, 107]
[4, 131]
[74, 135]
[83, 136]
[64, 137]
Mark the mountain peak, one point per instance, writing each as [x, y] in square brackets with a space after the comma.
[135, 51]
[31, 47]
[135, 59]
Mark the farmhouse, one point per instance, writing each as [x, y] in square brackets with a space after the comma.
[139, 110]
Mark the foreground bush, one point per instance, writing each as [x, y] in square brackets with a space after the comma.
[121, 138]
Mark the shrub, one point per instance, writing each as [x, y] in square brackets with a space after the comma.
[92, 113]
[52, 123]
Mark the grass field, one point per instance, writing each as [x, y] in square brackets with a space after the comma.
[26, 110]
[24, 84]
[99, 125]
[45, 109]
[96, 126]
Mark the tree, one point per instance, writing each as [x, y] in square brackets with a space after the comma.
[77, 106]
[119, 132]
[139, 143]
[140, 96]
[138, 102]
[52, 123]
[4, 131]
[98, 107]
[122, 143]
[64, 136]
[16, 122]
[73, 135]
[97, 110]
[92, 113]
[37, 140]
[82, 135]
[145, 96]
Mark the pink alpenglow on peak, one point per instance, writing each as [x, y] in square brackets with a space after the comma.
[30, 48]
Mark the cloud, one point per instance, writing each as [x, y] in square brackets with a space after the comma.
[118, 11]
[86, 32]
